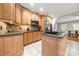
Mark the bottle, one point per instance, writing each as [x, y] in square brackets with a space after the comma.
[27, 28]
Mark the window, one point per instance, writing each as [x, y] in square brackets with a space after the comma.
[76, 26]
[69, 26]
[63, 27]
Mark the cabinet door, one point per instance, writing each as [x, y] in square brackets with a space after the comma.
[8, 11]
[39, 35]
[13, 45]
[18, 14]
[25, 39]
[8, 48]
[42, 23]
[49, 46]
[30, 37]
[18, 45]
[26, 17]
[36, 17]
[35, 36]
[0, 10]
[1, 47]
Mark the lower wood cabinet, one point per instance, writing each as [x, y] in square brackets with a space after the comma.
[1, 47]
[25, 39]
[53, 46]
[11, 45]
[39, 35]
[35, 35]
[30, 37]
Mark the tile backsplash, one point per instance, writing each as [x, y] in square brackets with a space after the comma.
[3, 27]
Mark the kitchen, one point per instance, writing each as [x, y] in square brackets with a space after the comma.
[21, 27]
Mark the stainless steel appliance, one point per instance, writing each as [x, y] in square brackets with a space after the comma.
[48, 26]
[34, 23]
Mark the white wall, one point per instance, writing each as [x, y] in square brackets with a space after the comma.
[67, 19]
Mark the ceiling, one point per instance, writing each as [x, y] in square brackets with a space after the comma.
[56, 9]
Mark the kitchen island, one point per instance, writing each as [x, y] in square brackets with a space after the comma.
[54, 45]
[11, 44]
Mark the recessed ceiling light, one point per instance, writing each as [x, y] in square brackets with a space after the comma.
[32, 4]
[41, 9]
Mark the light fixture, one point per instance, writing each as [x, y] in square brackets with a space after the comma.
[41, 9]
[31, 4]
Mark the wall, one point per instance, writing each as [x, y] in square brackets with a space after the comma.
[67, 19]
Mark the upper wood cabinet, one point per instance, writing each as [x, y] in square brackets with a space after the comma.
[8, 11]
[36, 17]
[26, 17]
[43, 18]
[0, 10]
[18, 14]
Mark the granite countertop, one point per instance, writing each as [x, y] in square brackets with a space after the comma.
[57, 36]
[16, 33]
[31, 31]
[11, 33]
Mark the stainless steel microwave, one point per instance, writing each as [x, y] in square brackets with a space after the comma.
[34, 23]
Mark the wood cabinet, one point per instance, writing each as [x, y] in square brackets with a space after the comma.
[18, 14]
[25, 39]
[39, 35]
[62, 46]
[26, 17]
[53, 46]
[30, 37]
[1, 47]
[11, 45]
[8, 48]
[0, 10]
[18, 45]
[36, 17]
[43, 18]
[36, 36]
[49, 46]
[8, 11]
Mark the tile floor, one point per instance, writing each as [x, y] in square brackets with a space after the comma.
[35, 49]
[72, 48]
